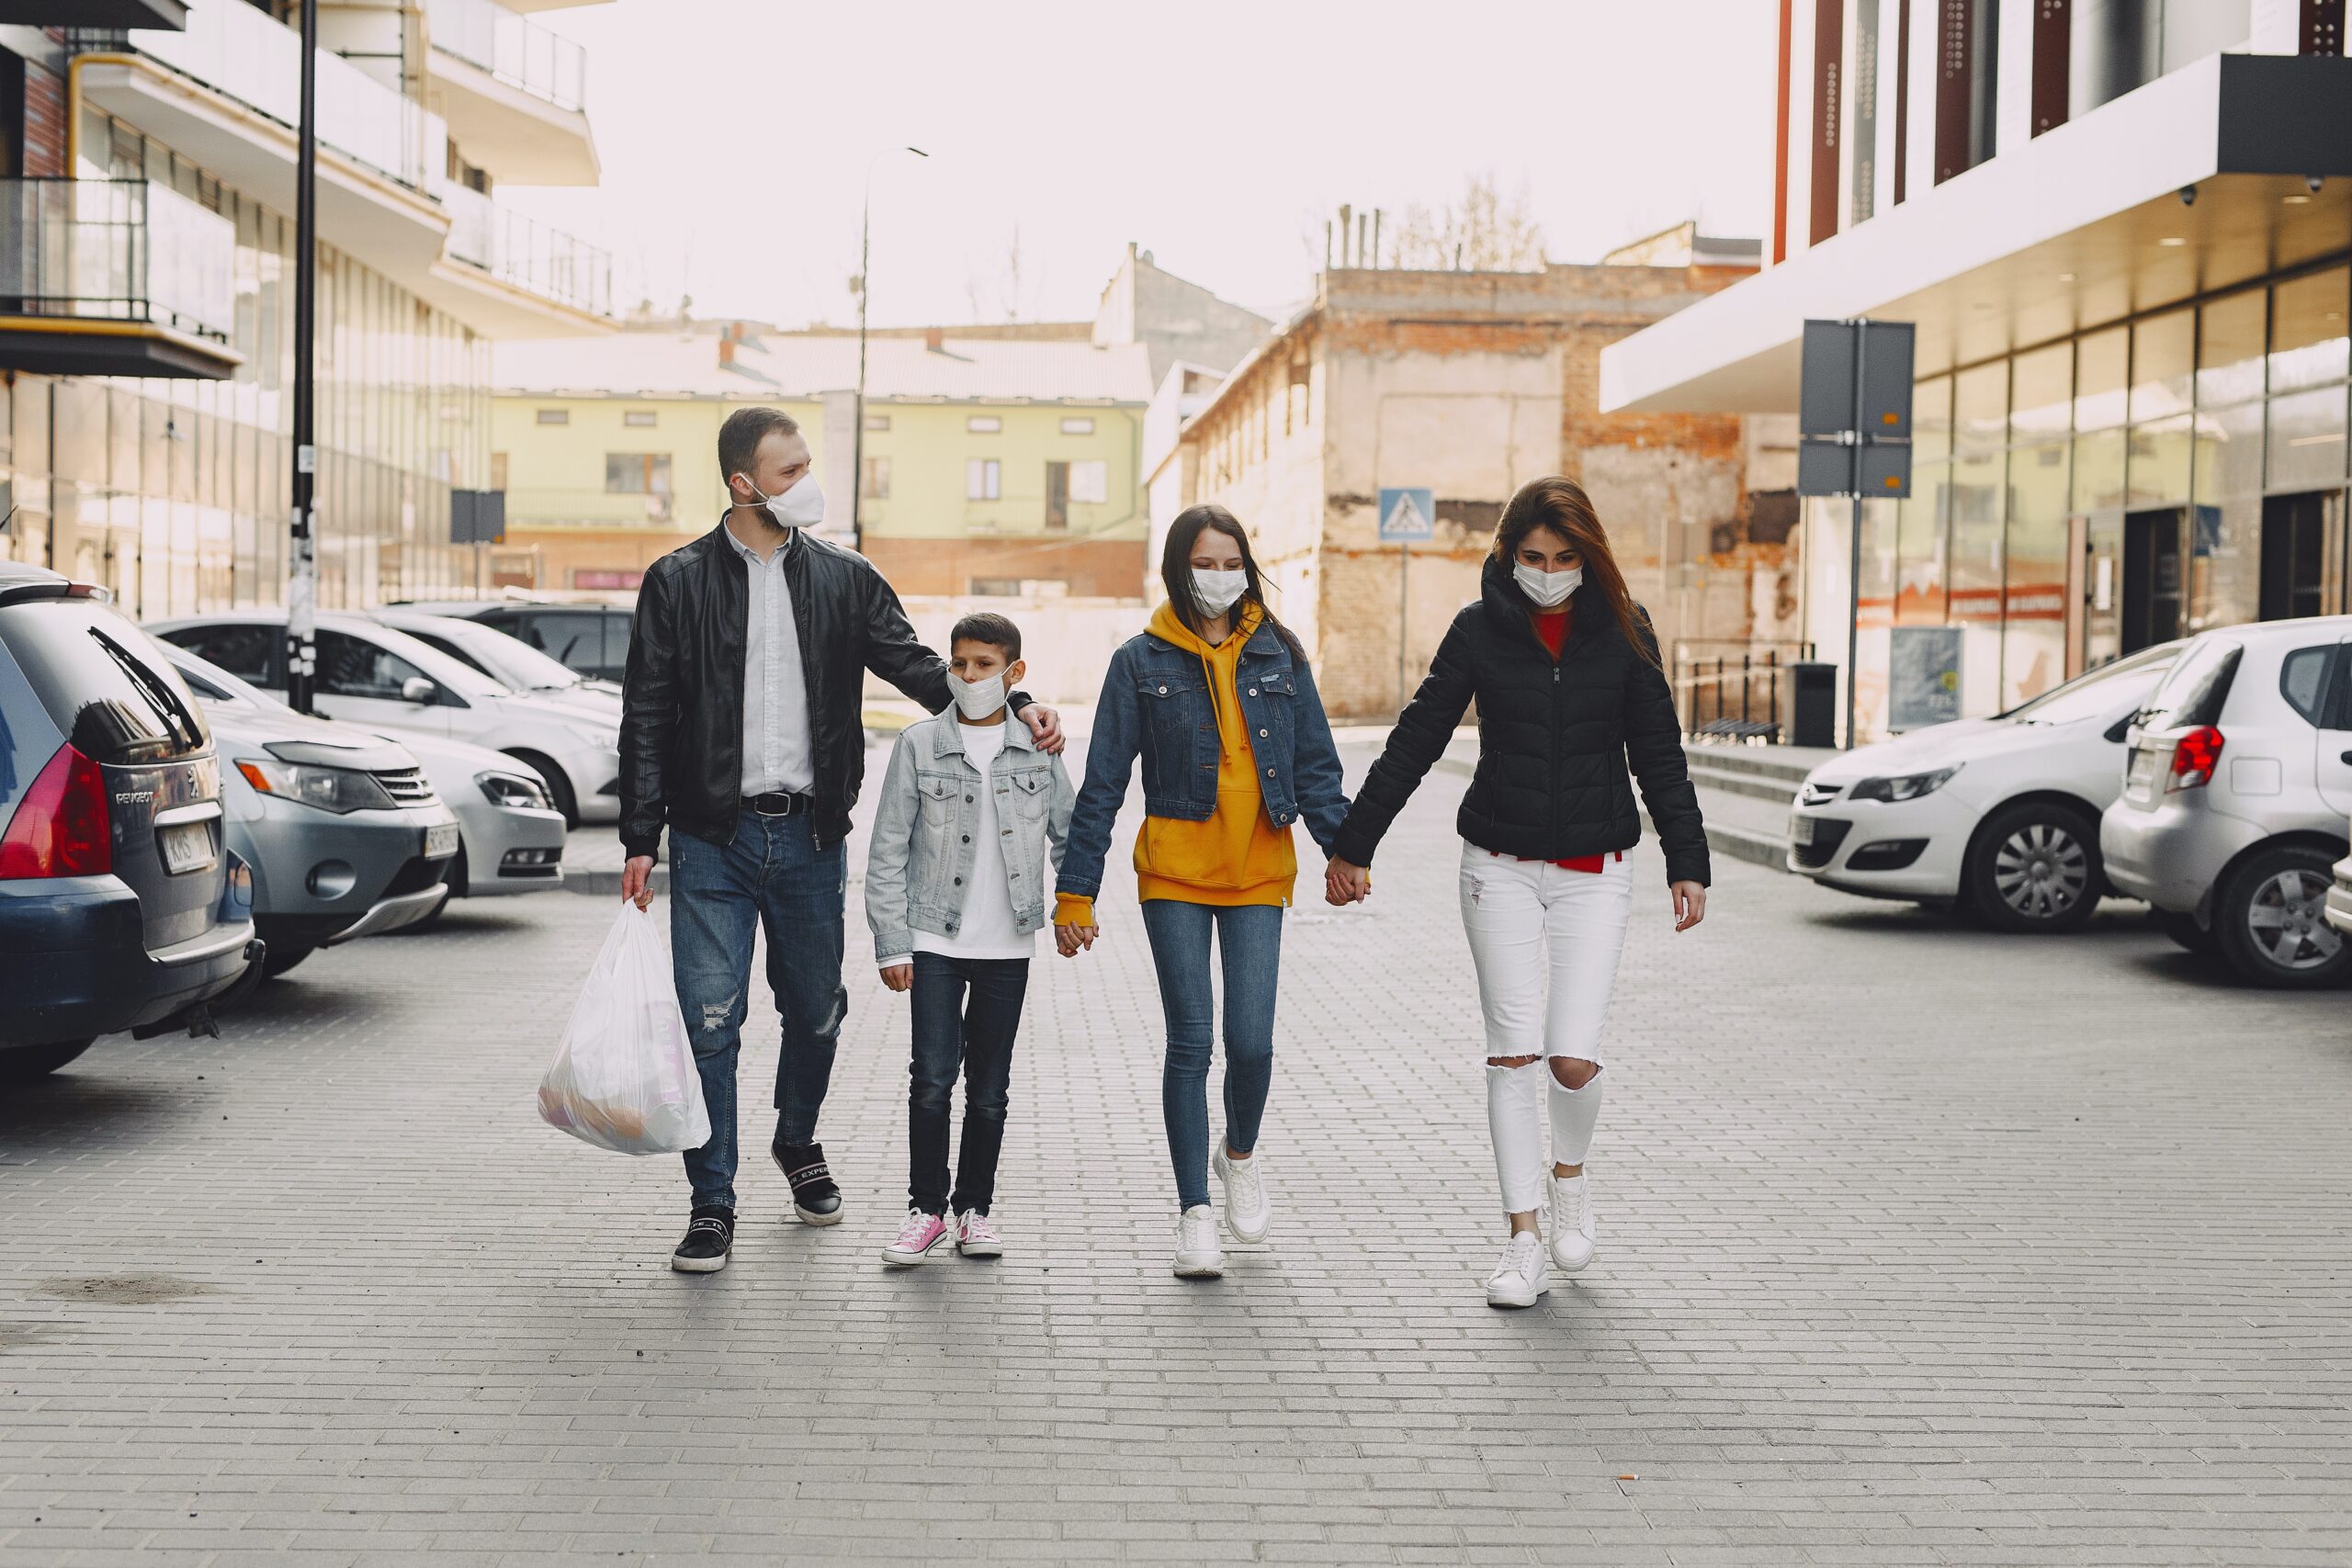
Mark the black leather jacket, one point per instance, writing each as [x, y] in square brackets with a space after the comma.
[682, 707]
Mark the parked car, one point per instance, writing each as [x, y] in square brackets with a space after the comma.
[1999, 815]
[2339, 898]
[121, 907]
[590, 638]
[508, 661]
[2235, 798]
[386, 681]
[510, 838]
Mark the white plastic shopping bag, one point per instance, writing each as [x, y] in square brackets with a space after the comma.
[624, 1077]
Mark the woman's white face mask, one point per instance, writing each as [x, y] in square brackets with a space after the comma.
[802, 506]
[1217, 591]
[1550, 589]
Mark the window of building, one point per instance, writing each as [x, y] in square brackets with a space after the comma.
[878, 478]
[1089, 483]
[996, 587]
[638, 419]
[2102, 369]
[984, 424]
[2229, 349]
[2163, 363]
[2307, 337]
[555, 416]
[877, 421]
[983, 480]
[637, 473]
[498, 470]
[1081, 425]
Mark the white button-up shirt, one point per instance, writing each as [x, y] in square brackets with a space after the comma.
[777, 754]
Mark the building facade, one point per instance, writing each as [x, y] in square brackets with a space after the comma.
[2123, 230]
[1468, 385]
[147, 342]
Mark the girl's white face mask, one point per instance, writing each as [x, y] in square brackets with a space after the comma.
[802, 506]
[1217, 591]
[975, 699]
[1550, 589]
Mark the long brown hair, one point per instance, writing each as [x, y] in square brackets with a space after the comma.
[1176, 570]
[1561, 505]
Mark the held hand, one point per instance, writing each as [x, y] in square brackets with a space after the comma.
[1346, 882]
[898, 976]
[637, 880]
[1069, 939]
[1045, 726]
[1690, 903]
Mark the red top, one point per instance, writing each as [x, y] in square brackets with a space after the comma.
[1553, 627]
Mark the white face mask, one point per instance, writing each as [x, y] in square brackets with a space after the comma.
[1550, 589]
[1217, 591]
[802, 506]
[975, 699]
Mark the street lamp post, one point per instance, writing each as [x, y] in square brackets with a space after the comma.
[857, 439]
[302, 584]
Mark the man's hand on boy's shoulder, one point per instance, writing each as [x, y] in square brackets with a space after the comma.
[898, 976]
[1045, 726]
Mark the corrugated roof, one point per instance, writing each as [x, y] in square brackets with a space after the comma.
[782, 366]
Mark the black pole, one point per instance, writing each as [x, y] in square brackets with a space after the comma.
[302, 586]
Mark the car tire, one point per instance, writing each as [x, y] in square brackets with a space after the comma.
[558, 788]
[23, 1064]
[2034, 866]
[2182, 927]
[280, 958]
[2271, 923]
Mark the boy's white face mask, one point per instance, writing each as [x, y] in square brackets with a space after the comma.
[975, 699]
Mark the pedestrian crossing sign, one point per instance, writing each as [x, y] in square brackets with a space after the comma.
[1407, 516]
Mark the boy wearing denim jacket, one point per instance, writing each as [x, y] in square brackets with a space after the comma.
[955, 894]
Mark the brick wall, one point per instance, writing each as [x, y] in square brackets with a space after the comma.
[44, 123]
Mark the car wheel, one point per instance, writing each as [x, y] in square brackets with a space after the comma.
[23, 1064]
[558, 788]
[2183, 929]
[2034, 866]
[2271, 920]
[278, 960]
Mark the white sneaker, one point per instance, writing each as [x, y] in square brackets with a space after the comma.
[1520, 1278]
[1198, 1257]
[1571, 1222]
[1247, 1211]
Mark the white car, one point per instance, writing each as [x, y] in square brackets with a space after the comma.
[510, 837]
[1999, 815]
[371, 675]
[508, 661]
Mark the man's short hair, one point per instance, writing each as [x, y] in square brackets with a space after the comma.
[739, 438]
[989, 628]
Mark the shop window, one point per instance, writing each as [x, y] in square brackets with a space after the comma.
[2307, 331]
[2229, 349]
[2042, 394]
[2307, 443]
[1981, 406]
[2102, 371]
[2164, 351]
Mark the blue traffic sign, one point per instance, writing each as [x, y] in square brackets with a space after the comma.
[1407, 516]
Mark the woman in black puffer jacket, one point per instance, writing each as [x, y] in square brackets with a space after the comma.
[1565, 670]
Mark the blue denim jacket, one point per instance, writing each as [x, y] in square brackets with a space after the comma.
[1155, 703]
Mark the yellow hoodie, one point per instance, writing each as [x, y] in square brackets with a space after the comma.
[1238, 856]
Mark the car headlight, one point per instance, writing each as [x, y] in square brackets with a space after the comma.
[1909, 786]
[512, 789]
[603, 739]
[329, 789]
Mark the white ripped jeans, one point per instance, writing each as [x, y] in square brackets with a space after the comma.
[1545, 940]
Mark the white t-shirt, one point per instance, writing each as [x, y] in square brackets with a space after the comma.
[985, 928]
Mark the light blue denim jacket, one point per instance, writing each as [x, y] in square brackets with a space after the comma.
[920, 865]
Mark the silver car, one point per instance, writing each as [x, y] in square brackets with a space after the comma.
[510, 837]
[508, 661]
[2236, 789]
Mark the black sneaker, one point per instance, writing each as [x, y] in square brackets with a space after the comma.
[710, 1236]
[816, 1197]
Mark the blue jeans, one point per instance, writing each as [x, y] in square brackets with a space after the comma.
[720, 896]
[1249, 950]
[977, 1037]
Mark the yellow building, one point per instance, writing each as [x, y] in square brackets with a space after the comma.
[992, 464]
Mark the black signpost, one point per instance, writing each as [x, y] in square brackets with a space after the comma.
[1854, 437]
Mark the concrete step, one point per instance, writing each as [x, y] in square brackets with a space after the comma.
[1789, 762]
[1735, 781]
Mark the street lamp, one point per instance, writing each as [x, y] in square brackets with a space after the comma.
[857, 440]
[302, 581]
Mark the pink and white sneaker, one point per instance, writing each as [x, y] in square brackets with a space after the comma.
[974, 1237]
[917, 1239]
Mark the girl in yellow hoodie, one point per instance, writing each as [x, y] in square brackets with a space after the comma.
[1217, 700]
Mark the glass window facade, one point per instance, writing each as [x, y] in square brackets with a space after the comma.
[175, 494]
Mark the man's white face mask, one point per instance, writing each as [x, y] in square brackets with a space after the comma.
[802, 506]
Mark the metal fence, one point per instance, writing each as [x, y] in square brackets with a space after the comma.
[126, 250]
[1741, 693]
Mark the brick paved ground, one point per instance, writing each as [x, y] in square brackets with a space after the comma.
[1917, 1245]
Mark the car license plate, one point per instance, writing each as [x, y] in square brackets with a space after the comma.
[440, 841]
[1801, 831]
[187, 846]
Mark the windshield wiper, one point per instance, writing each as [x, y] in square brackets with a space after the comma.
[167, 706]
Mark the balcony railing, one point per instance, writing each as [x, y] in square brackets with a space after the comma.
[241, 51]
[117, 250]
[530, 255]
[518, 52]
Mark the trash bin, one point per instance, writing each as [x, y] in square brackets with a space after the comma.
[1812, 703]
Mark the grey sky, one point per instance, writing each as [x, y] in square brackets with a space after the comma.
[735, 135]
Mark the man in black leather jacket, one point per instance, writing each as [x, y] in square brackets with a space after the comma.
[742, 732]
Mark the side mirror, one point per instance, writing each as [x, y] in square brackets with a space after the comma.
[417, 689]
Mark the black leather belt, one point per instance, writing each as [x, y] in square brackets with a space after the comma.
[773, 805]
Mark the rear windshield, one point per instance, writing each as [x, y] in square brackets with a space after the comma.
[102, 682]
[2197, 688]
